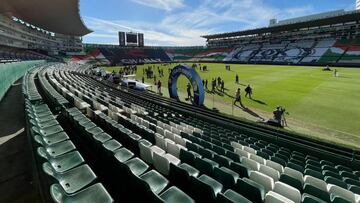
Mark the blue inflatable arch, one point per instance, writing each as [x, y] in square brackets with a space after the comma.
[195, 81]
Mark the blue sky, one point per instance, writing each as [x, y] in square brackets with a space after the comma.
[182, 22]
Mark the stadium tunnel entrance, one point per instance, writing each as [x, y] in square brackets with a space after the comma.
[198, 95]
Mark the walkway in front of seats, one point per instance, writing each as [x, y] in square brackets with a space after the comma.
[16, 184]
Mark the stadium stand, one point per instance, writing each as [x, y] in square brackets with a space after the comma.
[319, 51]
[124, 145]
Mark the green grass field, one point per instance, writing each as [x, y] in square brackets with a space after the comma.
[320, 106]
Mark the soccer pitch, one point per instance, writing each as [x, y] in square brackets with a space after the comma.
[320, 105]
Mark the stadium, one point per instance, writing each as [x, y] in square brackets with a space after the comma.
[265, 115]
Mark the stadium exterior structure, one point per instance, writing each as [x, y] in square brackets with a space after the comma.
[38, 29]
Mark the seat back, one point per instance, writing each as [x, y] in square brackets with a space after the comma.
[262, 179]
[273, 197]
[250, 190]
[267, 170]
[288, 191]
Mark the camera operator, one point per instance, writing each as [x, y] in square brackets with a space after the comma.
[279, 116]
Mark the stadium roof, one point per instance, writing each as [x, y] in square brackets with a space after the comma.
[58, 16]
[343, 18]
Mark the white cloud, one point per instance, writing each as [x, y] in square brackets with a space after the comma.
[167, 5]
[184, 28]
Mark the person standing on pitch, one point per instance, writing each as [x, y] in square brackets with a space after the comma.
[248, 91]
[188, 90]
[159, 86]
[206, 84]
[213, 84]
[222, 86]
[237, 79]
[143, 79]
[238, 98]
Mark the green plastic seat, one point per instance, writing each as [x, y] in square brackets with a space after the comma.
[73, 180]
[314, 173]
[41, 115]
[222, 160]
[188, 156]
[338, 199]
[44, 124]
[335, 181]
[43, 118]
[175, 195]
[92, 194]
[66, 161]
[91, 132]
[122, 155]
[205, 166]
[250, 190]
[205, 188]
[137, 166]
[347, 174]
[111, 145]
[226, 177]
[316, 192]
[242, 170]
[291, 181]
[55, 138]
[101, 138]
[87, 126]
[351, 181]
[57, 149]
[155, 180]
[48, 131]
[190, 170]
[307, 198]
[231, 196]
[180, 175]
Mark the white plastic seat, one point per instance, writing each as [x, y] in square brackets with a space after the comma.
[146, 153]
[322, 185]
[346, 194]
[167, 127]
[257, 158]
[275, 166]
[167, 140]
[237, 145]
[162, 162]
[242, 153]
[160, 141]
[273, 197]
[262, 179]
[173, 149]
[145, 123]
[188, 131]
[250, 150]
[160, 124]
[288, 191]
[169, 135]
[175, 130]
[294, 173]
[160, 130]
[179, 140]
[274, 174]
[253, 165]
[172, 124]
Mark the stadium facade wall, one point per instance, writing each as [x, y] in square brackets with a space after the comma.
[19, 34]
[11, 72]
